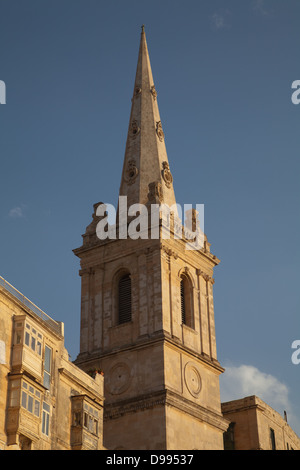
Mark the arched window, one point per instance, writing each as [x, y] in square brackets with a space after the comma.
[124, 299]
[186, 301]
[182, 299]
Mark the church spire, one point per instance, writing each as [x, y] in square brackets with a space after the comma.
[146, 177]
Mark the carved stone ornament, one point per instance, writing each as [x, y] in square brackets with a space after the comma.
[155, 195]
[159, 131]
[166, 174]
[135, 129]
[131, 172]
[205, 276]
[168, 251]
[154, 92]
[137, 91]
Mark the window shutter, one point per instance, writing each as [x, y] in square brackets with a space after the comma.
[182, 297]
[125, 299]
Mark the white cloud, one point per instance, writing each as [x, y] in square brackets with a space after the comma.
[16, 212]
[220, 20]
[246, 380]
[260, 7]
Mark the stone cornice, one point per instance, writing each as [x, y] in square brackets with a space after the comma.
[162, 336]
[74, 379]
[165, 398]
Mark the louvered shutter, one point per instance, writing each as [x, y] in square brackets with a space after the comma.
[125, 299]
[182, 298]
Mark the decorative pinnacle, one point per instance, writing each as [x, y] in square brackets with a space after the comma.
[143, 28]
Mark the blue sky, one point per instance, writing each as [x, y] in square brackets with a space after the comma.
[223, 71]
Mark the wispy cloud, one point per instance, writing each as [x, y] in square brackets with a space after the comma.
[220, 20]
[260, 7]
[246, 380]
[16, 212]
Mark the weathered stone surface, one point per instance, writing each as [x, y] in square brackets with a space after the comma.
[256, 426]
[27, 398]
[161, 376]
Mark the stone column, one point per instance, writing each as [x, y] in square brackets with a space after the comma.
[85, 302]
[203, 307]
[98, 308]
[213, 345]
[142, 295]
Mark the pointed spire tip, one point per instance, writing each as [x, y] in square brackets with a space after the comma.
[143, 28]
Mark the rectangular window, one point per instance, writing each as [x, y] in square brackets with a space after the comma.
[18, 337]
[45, 419]
[272, 437]
[33, 339]
[30, 399]
[47, 367]
[39, 347]
[19, 332]
[36, 408]
[24, 399]
[77, 418]
[30, 404]
[33, 343]
[15, 397]
[95, 428]
[85, 420]
[89, 421]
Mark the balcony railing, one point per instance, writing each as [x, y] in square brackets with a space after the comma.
[56, 326]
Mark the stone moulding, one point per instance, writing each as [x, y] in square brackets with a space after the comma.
[165, 398]
[68, 374]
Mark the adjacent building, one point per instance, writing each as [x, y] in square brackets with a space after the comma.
[254, 425]
[46, 402]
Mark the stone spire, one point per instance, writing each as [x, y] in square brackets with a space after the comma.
[146, 177]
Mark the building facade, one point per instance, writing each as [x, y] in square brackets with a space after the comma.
[46, 402]
[254, 425]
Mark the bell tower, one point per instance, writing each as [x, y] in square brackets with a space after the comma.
[147, 314]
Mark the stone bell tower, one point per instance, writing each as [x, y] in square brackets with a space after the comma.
[147, 315]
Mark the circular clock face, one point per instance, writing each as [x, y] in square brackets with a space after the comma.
[119, 379]
[192, 379]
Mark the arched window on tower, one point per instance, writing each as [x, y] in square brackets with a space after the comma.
[186, 300]
[124, 299]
